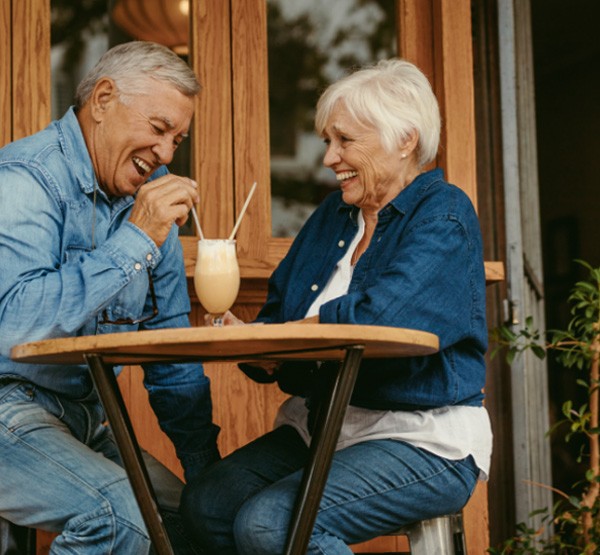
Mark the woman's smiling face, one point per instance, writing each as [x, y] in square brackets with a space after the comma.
[136, 134]
[369, 175]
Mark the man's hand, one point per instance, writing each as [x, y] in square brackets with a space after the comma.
[162, 202]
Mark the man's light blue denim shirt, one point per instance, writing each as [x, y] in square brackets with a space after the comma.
[65, 258]
[422, 270]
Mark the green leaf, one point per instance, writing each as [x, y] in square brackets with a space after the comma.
[510, 356]
[539, 352]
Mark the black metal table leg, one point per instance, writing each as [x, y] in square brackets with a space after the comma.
[116, 412]
[327, 430]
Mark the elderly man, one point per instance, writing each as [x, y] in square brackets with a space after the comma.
[88, 245]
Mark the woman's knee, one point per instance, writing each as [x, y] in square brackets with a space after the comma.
[194, 509]
[261, 525]
[207, 510]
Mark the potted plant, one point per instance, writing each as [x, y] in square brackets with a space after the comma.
[574, 519]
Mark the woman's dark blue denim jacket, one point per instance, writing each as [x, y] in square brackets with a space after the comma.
[423, 270]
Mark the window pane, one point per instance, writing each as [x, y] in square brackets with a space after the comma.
[312, 44]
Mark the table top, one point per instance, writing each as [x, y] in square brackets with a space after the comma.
[232, 343]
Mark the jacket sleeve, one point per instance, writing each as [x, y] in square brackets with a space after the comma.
[44, 294]
[431, 282]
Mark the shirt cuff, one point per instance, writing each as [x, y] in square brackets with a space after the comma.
[132, 249]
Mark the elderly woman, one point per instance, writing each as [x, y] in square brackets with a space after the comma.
[395, 246]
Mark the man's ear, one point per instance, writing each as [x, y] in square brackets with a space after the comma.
[104, 94]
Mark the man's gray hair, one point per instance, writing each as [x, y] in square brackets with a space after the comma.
[131, 64]
[394, 97]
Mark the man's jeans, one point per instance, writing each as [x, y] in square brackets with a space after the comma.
[60, 471]
[243, 504]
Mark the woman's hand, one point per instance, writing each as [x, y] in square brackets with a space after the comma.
[229, 319]
[310, 320]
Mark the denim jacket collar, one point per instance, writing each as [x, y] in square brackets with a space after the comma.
[72, 142]
[406, 200]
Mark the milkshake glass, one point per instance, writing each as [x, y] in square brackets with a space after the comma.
[217, 276]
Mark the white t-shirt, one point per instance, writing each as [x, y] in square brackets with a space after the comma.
[452, 432]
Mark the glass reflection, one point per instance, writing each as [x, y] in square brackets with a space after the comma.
[310, 45]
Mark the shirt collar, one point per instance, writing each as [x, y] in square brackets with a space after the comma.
[73, 145]
[411, 195]
[407, 198]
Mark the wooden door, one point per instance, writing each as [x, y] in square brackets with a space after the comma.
[529, 383]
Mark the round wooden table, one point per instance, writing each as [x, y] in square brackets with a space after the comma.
[346, 343]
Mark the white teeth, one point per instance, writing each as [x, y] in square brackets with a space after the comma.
[345, 175]
[142, 164]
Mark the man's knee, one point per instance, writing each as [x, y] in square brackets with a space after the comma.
[111, 523]
[102, 531]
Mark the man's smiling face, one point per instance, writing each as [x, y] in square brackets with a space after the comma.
[135, 134]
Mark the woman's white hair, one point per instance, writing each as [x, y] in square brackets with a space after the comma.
[394, 97]
[131, 64]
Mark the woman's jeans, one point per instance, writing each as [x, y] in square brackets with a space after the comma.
[60, 471]
[243, 503]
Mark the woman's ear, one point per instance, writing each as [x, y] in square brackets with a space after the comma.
[410, 144]
[104, 94]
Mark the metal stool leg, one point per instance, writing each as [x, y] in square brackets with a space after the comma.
[442, 535]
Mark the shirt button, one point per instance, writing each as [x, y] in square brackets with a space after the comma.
[314, 287]
[341, 243]
[137, 266]
[148, 257]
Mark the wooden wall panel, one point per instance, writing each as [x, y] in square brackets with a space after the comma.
[5, 73]
[210, 53]
[31, 66]
[415, 25]
[436, 36]
[455, 88]
[383, 545]
[251, 131]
